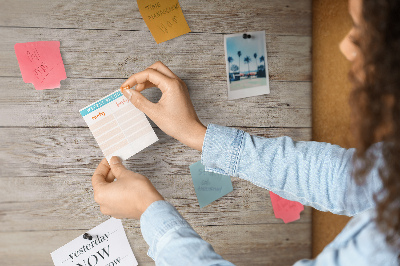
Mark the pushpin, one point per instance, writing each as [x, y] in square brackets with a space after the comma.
[246, 36]
[87, 236]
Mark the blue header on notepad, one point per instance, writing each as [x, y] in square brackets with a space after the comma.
[100, 103]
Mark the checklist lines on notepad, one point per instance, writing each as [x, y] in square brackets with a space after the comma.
[119, 128]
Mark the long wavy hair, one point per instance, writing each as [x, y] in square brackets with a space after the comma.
[375, 103]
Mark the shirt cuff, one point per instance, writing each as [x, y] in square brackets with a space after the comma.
[222, 148]
[156, 221]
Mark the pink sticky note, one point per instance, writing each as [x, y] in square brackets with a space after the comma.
[41, 63]
[284, 209]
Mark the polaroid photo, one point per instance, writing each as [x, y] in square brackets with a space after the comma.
[246, 64]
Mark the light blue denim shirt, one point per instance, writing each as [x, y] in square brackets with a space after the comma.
[312, 173]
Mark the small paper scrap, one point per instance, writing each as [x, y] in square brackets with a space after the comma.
[284, 209]
[41, 63]
[108, 246]
[209, 186]
[118, 126]
[164, 18]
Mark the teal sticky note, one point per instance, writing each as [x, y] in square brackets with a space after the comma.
[209, 186]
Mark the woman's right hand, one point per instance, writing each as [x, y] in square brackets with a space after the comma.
[173, 113]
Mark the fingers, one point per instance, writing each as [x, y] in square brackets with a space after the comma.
[100, 174]
[157, 75]
[140, 102]
[142, 86]
[117, 167]
[110, 177]
[148, 75]
[160, 67]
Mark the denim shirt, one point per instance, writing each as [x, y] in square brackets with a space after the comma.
[313, 173]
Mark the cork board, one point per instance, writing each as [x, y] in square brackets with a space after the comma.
[331, 89]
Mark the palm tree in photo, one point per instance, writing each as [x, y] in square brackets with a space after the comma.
[261, 68]
[234, 68]
[262, 59]
[239, 54]
[230, 60]
[255, 59]
[247, 60]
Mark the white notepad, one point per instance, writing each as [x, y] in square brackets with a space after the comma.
[118, 126]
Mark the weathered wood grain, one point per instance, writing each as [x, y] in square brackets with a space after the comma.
[223, 16]
[67, 203]
[116, 54]
[48, 154]
[74, 209]
[288, 104]
[51, 168]
[73, 152]
[265, 244]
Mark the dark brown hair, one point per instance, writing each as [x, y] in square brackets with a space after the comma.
[376, 108]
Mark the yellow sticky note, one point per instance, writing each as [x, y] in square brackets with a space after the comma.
[164, 18]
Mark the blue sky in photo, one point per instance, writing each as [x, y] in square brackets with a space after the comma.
[248, 47]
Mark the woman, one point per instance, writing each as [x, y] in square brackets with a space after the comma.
[316, 174]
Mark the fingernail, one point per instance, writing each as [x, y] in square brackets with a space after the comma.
[115, 160]
[127, 93]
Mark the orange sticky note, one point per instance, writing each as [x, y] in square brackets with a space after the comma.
[284, 209]
[164, 18]
[41, 63]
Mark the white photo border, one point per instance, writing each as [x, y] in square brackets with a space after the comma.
[247, 92]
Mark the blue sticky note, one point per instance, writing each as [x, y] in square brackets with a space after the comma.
[209, 186]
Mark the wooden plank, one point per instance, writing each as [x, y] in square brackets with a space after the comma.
[67, 203]
[51, 168]
[288, 104]
[116, 54]
[74, 153]
[266, 244]
[224, 16]
[48, 172]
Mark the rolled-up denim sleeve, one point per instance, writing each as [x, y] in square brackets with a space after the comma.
[316, 174]
[172, 241]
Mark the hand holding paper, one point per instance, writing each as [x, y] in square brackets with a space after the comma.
[129, 197]
[174, 113]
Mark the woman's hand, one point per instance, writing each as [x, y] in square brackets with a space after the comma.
[174, 113]
[128, 196]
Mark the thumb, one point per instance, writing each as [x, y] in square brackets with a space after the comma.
[117, 167]
[138, 100]
[100, 175]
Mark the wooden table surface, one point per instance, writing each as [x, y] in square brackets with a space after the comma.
[48, 154]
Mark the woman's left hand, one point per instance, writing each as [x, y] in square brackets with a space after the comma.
[128, 196]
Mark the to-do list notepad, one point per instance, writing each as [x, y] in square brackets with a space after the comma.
[118, 126]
